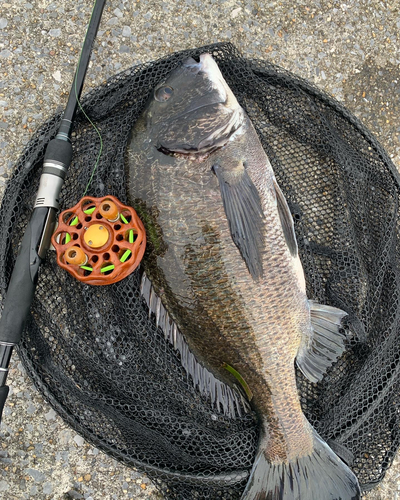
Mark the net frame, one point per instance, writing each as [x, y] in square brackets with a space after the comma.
[343, 192]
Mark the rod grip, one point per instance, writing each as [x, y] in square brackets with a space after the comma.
[3, 396]
[60, 151]
[23, 280]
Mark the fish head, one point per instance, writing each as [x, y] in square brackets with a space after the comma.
[193, 112]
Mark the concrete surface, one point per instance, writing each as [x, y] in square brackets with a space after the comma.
[350, 49]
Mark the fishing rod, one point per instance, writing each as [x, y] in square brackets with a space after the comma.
[37, 236]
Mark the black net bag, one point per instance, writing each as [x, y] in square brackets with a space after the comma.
[99, 359]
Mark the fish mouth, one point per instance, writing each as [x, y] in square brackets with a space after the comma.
[209, 67]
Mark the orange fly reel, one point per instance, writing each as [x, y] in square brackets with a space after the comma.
[99, 241]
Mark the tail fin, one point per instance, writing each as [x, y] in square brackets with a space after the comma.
[320, 476]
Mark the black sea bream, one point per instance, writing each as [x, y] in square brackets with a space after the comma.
[225, 273]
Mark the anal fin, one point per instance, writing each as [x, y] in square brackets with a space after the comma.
[325, 344]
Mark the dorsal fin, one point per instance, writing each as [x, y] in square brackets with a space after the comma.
[225, 399]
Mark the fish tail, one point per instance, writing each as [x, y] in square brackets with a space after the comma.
[318, 476]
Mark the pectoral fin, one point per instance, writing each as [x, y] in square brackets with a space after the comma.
[318, 353]
[245, 215]
[286, 220]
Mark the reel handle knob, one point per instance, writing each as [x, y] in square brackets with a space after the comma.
[109, 210]
[76, 256]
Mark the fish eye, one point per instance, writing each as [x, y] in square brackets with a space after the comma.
[163, 94]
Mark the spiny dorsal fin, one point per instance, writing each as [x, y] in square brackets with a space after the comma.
[223, 397]
[286, 220]
[245, 215]
[325, 344]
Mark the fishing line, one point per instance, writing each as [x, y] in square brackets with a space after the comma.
[87, 117]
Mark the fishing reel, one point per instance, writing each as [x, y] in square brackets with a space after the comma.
[99, 241]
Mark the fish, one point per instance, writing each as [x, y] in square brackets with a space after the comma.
[224, 280]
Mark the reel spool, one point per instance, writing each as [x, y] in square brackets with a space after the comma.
[99, 241]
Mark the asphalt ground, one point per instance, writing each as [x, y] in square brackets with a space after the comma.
[350, 50]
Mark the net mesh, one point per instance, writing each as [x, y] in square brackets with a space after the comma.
[102, 363]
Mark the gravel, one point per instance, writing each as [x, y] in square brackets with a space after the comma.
[351, 50]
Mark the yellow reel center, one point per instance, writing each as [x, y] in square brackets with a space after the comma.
[96, 236]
